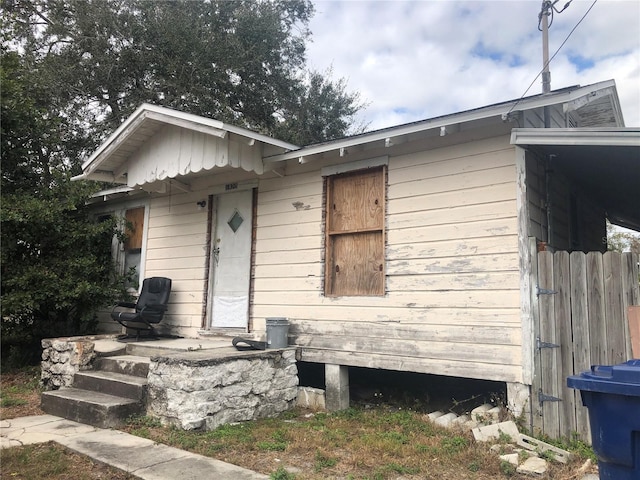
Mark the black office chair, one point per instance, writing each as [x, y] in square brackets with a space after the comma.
[149, 309]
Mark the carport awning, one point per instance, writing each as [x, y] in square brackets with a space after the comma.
[605, 162]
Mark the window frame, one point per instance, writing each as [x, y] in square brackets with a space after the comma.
[331, 288]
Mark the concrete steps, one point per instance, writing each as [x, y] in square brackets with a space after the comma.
[92, 408]
[103, 397]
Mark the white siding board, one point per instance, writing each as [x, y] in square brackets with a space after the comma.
[272, 208]
[474, 148]
[457, 215]
[194, 217]
[293, 192]
[286, 182]
[452, 264]
[483, 334]
[474, 196]
[456, 247]
[294, 231]
[170, 230]
[452, 366]
[459, 182]
[487, 281]
[291, 218]
[394, 316]
[177, 275]
[488, 228]
[276, 244]
[193, 240]
[447, 265]
[176, 263]
[499, 298]
[289, 271]
[288, 256]
[179, 251]
[473, 351]
[448, 167]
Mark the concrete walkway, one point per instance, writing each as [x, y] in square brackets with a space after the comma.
[138, 456]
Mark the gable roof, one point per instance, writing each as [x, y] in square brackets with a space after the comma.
[108, 162]
[591, 105]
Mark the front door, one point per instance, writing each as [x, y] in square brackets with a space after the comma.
[231, 261]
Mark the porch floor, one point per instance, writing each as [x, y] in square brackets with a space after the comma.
[158, 346]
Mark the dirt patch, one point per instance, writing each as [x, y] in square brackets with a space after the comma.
[54, 462]
[20, 393]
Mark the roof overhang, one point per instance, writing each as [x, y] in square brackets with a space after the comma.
[109, 162]
[590, 103]
[604, 161]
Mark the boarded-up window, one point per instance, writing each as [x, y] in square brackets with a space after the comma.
[134, 225]
[355, 234]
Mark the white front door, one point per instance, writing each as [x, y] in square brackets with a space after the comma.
[231, 261]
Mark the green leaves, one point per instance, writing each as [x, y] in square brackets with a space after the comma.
[241, 62]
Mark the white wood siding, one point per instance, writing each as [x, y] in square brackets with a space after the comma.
[452, 303]
[176, 151]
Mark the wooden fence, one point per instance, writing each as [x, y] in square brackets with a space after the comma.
[579, 306]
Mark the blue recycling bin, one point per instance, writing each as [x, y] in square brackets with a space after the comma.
[612, 395]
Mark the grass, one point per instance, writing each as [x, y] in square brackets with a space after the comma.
[54, 462]
[20, 393]
[378, 443]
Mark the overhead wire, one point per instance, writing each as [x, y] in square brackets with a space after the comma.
[557, 51]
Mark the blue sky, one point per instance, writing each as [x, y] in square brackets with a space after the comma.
[412, 60]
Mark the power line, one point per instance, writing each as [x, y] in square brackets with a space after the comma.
[554, 55]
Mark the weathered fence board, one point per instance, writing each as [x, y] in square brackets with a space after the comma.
[580, 302]
[580, 330]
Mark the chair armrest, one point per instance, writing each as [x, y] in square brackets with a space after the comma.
[126, 304]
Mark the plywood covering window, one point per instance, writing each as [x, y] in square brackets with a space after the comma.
[134, 221]
[355, 233]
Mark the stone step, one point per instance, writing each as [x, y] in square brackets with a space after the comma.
[93, 408]
[118, 384]
[135, 365]
[134, 349]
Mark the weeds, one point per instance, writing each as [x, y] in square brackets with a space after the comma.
[453, 445]
[272, 446]
[508, 469]
[282, 474]
[323, 461]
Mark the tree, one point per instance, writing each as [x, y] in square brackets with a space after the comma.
[619, 240]
[241, 62]
[73, 70]
[321, 110]
[56, 262]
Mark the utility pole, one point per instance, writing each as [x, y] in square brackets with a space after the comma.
[544, 26]
[546, 12]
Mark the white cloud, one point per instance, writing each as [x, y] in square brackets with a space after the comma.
[421, 59]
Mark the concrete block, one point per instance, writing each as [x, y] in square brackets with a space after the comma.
[446, 420]
[533, 466]
[461, 421]
[539, 446]
[493, 414]
[309, 397]
[517, 398]
[493, 431]
[433, 415]
[512, 458]
[479, 413]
